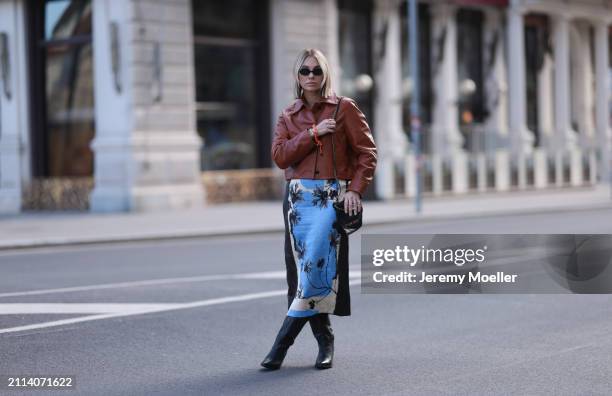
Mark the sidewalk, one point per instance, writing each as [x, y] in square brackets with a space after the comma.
[51, 229]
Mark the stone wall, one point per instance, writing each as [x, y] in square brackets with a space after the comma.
[57, 194]
[238, 186]
[221, 187]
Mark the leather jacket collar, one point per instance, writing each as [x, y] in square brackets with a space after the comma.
[299, 103]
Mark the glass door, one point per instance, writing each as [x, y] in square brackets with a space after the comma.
[61, 67]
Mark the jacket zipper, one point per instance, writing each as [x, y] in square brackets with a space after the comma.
[314, 173]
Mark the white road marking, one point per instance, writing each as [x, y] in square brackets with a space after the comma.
[76, 308]
[153, 282]
[151, 308]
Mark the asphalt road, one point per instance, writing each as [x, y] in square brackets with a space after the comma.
[194, 317]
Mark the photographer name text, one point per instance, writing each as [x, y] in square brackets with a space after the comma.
[423, 277]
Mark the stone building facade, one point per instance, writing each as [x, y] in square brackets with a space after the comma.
[147, 104]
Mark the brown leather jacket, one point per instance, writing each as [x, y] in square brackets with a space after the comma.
[294, 150]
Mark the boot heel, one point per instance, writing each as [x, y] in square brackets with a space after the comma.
[274, 359]
[326, 355]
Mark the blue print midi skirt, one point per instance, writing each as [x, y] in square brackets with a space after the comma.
[316, 249]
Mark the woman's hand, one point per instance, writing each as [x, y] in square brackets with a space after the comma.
[326, 126]
[352, 203]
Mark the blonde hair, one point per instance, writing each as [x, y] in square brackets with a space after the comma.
[326, 85]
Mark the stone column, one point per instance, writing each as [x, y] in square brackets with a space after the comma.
[497, 98]
[602, 106]
[146, 147]
[389, 134]
[521, 138]
[448, 141]
[14, 127]
[546, 120]
[565, 135]
[583, 95]
[330, 9]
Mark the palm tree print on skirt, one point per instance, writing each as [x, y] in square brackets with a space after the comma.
[315, 244]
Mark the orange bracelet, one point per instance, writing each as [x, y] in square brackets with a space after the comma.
[316, 138]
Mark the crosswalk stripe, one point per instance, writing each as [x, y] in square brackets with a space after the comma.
[152, 308]
[154, 282]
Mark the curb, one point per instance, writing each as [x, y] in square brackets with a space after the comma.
[169, 236]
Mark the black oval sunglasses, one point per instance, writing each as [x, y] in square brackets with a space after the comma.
[317, 71]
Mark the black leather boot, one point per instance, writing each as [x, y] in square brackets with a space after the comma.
[321, 328]
[286, 336]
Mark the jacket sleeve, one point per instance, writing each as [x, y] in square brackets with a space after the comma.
[362, 143]
[287, 150]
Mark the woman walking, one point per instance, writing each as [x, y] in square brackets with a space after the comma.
[318, 172]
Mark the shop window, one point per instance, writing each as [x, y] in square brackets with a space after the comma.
[232, 84]
[537, 36]
[425, 105]
[354, 41]
[470, 66]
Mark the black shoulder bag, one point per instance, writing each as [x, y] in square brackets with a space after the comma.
[350, 223]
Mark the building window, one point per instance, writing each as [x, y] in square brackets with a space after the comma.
[424, 40]
[537, 33]
[470, 66]
[232, 83]
[62, 99]
[354, 41]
